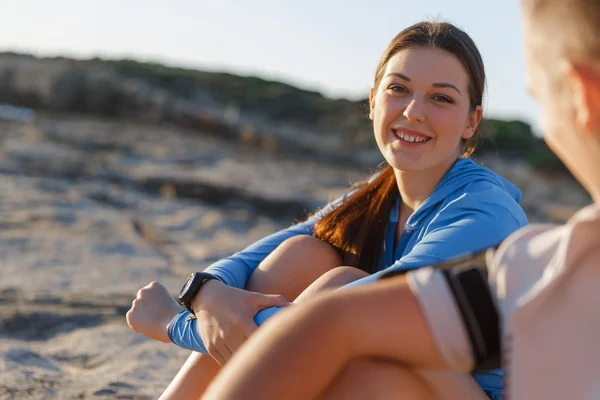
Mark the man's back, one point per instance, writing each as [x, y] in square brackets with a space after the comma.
[546, 282]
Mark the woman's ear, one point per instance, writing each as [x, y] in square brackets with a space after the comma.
[472, 123]
[372, 94]
[584, 80]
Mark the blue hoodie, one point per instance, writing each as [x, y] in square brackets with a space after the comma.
[471, 209]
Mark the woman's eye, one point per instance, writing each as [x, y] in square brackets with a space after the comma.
[398, 89]
[443, 99]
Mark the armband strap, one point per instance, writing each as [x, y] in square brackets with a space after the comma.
[474, 300]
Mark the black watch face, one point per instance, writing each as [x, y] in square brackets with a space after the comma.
[186, 286]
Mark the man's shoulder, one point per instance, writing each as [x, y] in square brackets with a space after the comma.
[535, 257]
[521, 260]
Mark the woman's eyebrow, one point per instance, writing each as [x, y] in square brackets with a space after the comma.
[447, 85]
[438, 85]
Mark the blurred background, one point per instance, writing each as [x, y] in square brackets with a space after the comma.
[142, 141]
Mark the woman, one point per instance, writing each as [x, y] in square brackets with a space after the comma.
[430, 204]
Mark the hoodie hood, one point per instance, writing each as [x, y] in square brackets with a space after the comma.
[464, 172]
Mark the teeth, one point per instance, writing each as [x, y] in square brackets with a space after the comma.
[410, 139]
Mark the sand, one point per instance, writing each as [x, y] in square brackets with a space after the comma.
[92, 210]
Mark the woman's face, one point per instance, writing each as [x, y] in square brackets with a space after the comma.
[421, 110]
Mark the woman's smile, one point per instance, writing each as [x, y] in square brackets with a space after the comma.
[410, 138]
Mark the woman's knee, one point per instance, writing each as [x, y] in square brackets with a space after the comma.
[293, 266]
[344, 274]
[310, 247]
[304, 250]
[374, 379]
[332, 279]
[338, 277]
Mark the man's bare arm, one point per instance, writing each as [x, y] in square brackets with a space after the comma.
[299, 353]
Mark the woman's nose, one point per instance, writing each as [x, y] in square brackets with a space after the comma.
[414, 111]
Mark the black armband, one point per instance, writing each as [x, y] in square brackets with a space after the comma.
[480, 316]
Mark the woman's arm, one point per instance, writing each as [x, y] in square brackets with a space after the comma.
[463, 227]
[298, 354]
[235, 270]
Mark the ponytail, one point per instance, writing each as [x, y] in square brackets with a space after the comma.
[356, 228]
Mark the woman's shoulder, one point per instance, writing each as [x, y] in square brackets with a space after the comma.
[467, 177]
[490, 191]
[489, 200]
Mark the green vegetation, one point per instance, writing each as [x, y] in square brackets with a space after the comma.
[281, 102]
[277, 101]
[516, 139]
[96, 87]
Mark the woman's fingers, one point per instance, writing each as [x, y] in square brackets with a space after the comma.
[260, 301]
[220, 352]
[240, 336]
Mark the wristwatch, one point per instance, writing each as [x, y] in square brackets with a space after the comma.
[191, 287]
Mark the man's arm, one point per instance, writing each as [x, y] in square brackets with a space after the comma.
[298, 354]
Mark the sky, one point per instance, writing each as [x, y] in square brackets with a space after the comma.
[331, 46]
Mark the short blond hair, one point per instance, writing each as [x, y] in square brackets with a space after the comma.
[573, 24]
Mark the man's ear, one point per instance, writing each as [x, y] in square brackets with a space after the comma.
[372, 94]
[472, 123]
[584, 82]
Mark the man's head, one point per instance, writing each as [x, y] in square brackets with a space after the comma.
[562, 50]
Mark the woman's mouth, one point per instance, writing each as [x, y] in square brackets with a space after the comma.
[409, 137]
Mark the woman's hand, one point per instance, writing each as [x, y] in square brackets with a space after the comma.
[226, 316]
[151, 312]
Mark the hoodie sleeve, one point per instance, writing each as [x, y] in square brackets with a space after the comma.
[236, 269]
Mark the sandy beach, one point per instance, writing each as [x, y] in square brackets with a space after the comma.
[92, 210]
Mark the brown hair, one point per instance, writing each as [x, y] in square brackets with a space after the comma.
[356, 227]
[579, 21]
